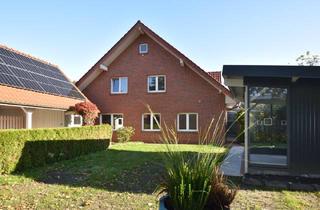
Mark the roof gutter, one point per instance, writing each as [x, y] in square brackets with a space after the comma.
[34, 107]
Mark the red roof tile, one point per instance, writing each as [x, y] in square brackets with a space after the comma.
[215, 75]
[16, 96]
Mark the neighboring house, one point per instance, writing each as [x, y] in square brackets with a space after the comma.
[282, 119]
[34, 93]
[143, 69]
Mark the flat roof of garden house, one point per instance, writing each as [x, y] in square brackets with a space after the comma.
[271, 71]
[235, 76]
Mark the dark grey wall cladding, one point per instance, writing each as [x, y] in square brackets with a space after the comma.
[305, 126]
[303, 121]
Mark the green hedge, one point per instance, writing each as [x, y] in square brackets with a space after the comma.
[22, 149]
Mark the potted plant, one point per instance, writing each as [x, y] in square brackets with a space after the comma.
[193, 180]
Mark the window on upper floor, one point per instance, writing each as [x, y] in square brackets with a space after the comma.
[119, 85]
[156, 84]
[143, 48]
[151, 122]
[115, 120]
[187, 122]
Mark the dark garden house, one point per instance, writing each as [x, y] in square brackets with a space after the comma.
[282, 119]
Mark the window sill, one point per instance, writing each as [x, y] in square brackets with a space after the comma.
[118, 93]
[157, 91]
[74, 126]
[151, 130]
[188, 131]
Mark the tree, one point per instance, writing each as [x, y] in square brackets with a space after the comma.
[88, 111]
[308, 59]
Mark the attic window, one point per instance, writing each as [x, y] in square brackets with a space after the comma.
[143, 48]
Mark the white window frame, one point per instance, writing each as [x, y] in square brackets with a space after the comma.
[72, 124]
[151, 122]
[120, 78]
[157, 84]
[111, 119]
[140, 48]
[187, 122]
[81, 120]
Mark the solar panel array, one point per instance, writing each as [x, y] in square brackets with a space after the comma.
[23, 72]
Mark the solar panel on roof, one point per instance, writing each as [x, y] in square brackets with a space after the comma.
[23, 72]
[5, 69]
[10, 80]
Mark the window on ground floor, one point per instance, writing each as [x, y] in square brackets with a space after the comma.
[73, 120]
[151, 122]
[115, 120]
[77, 120]
[187, 122]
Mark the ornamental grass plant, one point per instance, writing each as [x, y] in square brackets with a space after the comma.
[192, 180]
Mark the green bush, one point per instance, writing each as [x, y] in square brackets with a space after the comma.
[124, 134]
[27, 148]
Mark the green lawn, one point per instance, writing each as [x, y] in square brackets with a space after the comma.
[123, 177]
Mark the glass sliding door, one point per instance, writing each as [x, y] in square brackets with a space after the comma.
[268, 139]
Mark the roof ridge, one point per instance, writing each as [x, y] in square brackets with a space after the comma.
[28, 55]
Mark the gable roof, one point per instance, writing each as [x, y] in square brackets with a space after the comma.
[29, 81]
[138, 29]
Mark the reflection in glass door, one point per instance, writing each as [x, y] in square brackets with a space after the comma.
[268, 140]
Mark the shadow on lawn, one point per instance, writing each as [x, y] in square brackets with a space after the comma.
[112, 170]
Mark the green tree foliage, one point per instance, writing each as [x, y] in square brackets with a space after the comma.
[308, 59]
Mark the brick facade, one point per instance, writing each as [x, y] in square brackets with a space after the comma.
[185, 91]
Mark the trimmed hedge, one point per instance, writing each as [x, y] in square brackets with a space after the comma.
[27, 148]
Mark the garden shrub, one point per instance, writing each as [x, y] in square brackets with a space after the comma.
[27, 148]
[88, 110]
[124, 134]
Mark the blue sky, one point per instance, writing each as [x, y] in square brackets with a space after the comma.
[75, 34]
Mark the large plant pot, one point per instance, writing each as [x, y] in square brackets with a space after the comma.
[162, 205]
[164, 199]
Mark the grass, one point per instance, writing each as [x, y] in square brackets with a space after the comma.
[281, 199]
[123, 177]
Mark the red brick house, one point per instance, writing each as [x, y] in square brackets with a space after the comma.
[143, 69]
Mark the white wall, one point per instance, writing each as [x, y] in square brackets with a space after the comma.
[47, 118]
